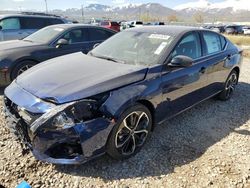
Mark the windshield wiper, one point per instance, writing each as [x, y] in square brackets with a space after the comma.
[27, 40]
[107, 58]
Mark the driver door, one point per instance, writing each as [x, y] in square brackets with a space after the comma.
[183, 87]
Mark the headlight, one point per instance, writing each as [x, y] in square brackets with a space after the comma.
[67, 115]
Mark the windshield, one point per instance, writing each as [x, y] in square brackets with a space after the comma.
[44, 35]
[131, 47]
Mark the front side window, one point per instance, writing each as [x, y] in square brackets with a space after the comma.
[76, 36]
[212, 42]
[10, 23]
[189, 46]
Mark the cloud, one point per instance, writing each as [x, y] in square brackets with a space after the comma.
[119, 2]
[91, 2]
[205, 4]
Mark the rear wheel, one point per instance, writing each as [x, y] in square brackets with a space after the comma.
[21, 68]
[230, 86]
[130, 132]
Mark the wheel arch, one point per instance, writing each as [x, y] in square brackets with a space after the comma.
[17, 62]
[150, 107]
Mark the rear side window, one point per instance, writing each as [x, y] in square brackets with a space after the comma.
[33, 23]
[76, 36]
[189, 46]
[139, 23]
[98, 34]
[10, 23]
[212, 42]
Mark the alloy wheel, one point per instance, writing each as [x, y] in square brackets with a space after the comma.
[132, 132]
[23, 69]
[231, 84]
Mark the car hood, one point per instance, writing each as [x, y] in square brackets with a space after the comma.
[16, 44]
[77, 76]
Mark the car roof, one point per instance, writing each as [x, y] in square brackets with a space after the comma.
[165, 29]
[69, 26]
[29, 16]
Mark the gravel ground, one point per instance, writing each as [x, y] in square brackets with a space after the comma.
[207, 146]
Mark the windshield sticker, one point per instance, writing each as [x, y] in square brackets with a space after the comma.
[58, 29]
[159, 36]
[160, 48]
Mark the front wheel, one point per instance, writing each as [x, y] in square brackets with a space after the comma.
[130, 133]
[21, 68]
[229, 87]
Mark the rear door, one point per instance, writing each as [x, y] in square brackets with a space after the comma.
[184, 87]
[11, 28]
[215, 56]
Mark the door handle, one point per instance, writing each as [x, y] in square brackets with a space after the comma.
[202, 70]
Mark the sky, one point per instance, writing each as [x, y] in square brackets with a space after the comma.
[64, 4]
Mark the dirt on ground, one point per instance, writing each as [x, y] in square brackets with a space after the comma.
[207, 146]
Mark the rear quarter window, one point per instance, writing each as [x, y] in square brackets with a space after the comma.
[54, 21]
[223, 42]
[212, 42]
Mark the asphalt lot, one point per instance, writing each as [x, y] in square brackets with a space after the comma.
[207, 146]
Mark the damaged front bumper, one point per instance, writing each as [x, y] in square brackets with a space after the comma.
[53, 139]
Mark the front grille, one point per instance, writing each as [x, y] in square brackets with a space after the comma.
[16, 123]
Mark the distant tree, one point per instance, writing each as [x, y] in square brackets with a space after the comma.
[198, 17]
[172, 18]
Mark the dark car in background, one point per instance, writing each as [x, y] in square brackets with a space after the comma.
[234, 29]
[218, 29]
[17, 56]
[110, 25]
[76, 107]
[18, 26]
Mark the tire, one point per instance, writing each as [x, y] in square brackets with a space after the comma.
[229, 86]
[127, 140]
[21, 67]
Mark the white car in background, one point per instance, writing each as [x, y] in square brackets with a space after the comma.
[246, 30]
[135, 23]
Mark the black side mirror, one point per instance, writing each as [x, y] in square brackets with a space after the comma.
[61, 42]
[1, 27]
[181, 61]
[97, 44]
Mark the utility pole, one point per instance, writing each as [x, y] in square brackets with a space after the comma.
[46, 6]
[82, 13]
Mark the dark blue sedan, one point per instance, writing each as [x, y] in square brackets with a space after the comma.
[76, 107]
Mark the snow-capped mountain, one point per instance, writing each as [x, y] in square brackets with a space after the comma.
[97, 7]
[206, 5]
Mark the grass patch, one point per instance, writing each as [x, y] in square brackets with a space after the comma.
[246, 53]
[239, 39]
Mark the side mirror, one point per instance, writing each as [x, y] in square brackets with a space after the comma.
[181, 61]
[97, 44]
[61, 42]
[1, 27]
